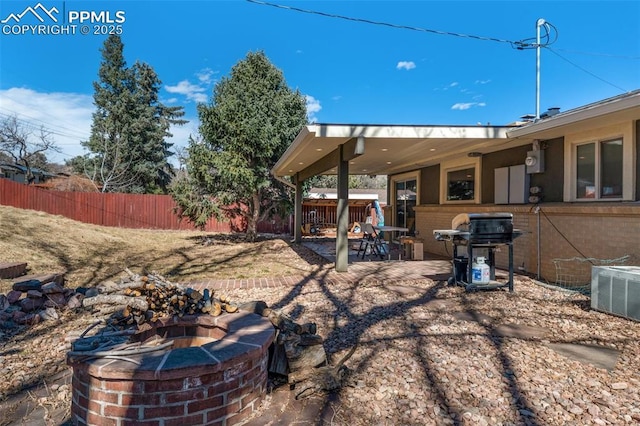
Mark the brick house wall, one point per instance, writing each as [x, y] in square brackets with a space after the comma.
[602, 231]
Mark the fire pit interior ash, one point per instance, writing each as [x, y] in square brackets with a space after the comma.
[214, 373]
[183, 336]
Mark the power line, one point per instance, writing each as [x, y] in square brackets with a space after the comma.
[17, 101]
[33, 126]
[587, 71]
[608, 55]
[529, 43]
[515, 44]
[44, 126]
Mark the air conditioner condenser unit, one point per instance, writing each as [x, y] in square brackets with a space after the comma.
[616, 290]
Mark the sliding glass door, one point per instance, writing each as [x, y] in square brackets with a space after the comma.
[406, 198]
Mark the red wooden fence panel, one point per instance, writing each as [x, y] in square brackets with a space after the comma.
[327, 214]
[117, 210]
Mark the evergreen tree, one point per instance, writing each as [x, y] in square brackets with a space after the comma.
[128, 151]
[252, 119]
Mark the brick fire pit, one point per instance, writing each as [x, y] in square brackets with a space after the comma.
[215, 373]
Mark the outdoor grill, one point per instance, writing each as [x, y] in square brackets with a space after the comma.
[479, 231]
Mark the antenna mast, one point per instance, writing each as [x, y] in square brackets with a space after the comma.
[540, 22]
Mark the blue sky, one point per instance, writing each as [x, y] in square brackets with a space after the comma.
[351, 72]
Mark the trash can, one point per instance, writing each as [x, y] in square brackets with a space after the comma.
[460, 268]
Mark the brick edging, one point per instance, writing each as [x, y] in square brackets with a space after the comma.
[290, 281]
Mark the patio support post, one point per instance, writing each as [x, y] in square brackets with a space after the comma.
[342, 237]
[297, 213]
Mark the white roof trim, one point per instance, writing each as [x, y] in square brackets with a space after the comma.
[607, 106]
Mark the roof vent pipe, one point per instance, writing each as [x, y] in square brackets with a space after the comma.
[550, 112]
[553, 111]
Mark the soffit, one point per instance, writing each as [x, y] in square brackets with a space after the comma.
[392, 149]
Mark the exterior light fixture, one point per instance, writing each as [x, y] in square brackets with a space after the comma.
[474, 154]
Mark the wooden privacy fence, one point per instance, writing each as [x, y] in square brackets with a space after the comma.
[117, 210]
[327, 214]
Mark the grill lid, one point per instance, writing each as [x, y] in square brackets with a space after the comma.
[480, 228]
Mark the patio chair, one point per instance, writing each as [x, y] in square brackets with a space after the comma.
[371, 242]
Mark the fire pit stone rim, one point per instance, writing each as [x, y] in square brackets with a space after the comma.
[245, 333]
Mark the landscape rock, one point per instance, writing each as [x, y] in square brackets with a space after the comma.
[4, 302]
[13, 296]
[75, 301]
[52, 287]
[34, 294]
[18, 315]
[30, 305]
[29, 319]
[55, 300]
[91, 292]
[27, 285]
[49, 314]
[619, 385]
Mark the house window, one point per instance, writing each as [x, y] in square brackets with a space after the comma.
[461, 184]
[599, 167]
[600, 164]
[460, 181]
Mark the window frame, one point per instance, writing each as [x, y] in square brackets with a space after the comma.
[622, 132]
[461, 164]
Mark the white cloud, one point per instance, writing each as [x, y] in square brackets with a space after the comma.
[406, 65]
[313, 106]
[193, 92]
[483, 81]
[454, 84]
[336, 98]
[205, 76]
[68, 116]
[467, 105]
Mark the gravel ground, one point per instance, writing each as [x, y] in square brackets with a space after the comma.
[427, 354]
[432, 354]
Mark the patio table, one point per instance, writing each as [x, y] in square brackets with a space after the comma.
[395, 231]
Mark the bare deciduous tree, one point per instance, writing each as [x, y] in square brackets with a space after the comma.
[25, 145]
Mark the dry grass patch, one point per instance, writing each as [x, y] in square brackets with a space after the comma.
[89, 254]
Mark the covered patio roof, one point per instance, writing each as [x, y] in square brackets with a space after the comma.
[387, 149]
[345, 149]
